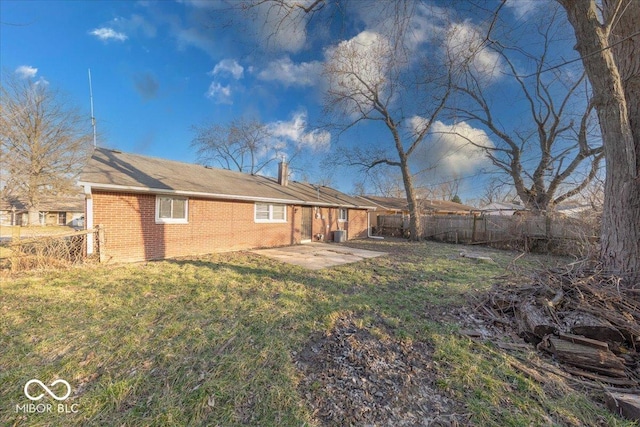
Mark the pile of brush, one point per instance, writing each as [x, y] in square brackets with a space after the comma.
[587, 320]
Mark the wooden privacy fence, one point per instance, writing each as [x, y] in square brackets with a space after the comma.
[509, 231]
[55, 251]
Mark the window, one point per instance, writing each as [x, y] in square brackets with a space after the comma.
[267, 212]
[62, 218]
[343, 215]
[171, 210]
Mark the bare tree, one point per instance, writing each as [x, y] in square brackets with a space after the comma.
[555, 154]
[372, 79]
[388, 182]
[243, 145]
[497, 190]
[593, 195]
[43, 142]
[381, 181]
[608, 42]
[282, 25]
[447, 190]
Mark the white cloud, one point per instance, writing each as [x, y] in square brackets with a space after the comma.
[448, 150]
[228, 66]
[220, 94]
[522, 8]
[136, 23]
[42, 81]
[106, 34]
[295, 130]
[358, 67]
[422, 22]
[193, 37]
[285, 71]
[276, 26]
[464, 46]
[316, 140]
[121, 28]
[26, 71]
[281, 27]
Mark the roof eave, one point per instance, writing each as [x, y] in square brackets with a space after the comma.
[148, 190]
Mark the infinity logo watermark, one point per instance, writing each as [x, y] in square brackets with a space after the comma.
[32, 408]
[46, 389]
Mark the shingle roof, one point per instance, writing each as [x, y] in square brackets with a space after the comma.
[117, 171]
[445, 206]
[502, 206]
[388, 203]
[400, 204]
[47, 204]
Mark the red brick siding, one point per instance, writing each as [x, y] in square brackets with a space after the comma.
[325, 221]
[131, 233]
[357, 225]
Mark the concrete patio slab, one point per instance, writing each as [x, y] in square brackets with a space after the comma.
[315, 256]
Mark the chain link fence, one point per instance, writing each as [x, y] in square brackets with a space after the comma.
[55, 251]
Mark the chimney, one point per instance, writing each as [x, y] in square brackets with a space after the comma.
[283, 173]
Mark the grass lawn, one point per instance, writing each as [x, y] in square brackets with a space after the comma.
[211, 341]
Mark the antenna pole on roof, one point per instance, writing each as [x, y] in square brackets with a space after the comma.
[93, 119]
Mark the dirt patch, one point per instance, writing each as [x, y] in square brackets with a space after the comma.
[352, 377]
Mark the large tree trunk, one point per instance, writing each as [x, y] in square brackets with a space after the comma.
[414, 209]
[613, 73]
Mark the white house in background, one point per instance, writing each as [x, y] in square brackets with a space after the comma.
[54, 210]
[502, 209]
[574, 210]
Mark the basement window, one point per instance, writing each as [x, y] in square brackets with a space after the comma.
[269, 212]
[171, 210]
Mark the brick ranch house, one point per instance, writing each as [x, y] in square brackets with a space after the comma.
[152, 208]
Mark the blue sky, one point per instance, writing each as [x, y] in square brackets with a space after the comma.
[158, 68]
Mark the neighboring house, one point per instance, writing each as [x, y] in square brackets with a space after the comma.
[574, 210]
[445, 207]
[152, 208]
[62, 210]
[502, 209]
[399, 206]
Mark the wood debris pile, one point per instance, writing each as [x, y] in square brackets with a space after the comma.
[587, 322]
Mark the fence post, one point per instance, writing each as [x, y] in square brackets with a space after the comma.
[473, 230]
[16, 249]
[101, 246]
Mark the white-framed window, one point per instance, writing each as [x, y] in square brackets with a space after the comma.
[343, 215]
[269, 212]
[172, 210]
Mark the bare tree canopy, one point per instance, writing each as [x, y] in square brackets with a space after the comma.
[376, 77]
[553, 154]
[250, 146]
[43, 142]
[608, 42]
[243, 145]
[497, 190]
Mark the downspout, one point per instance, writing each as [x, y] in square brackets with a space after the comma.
[369, 228]
[88, 217]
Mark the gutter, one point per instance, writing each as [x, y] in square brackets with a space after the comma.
[88, 216]
[147, 190]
